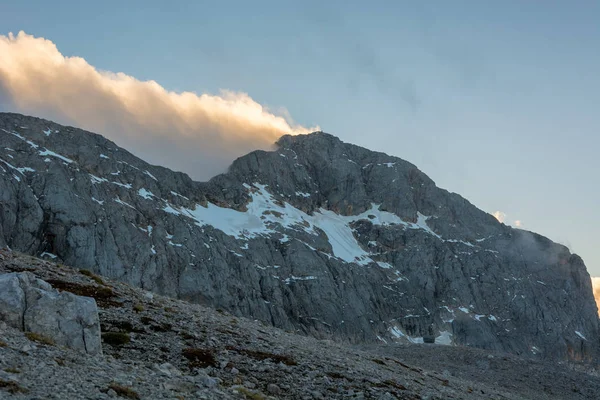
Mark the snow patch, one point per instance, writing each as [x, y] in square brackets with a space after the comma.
[171, 210]
[179, 195]
[150, 175]
[96, 179]
[580, 335]
[293, 278]
[53, 154]
[21, 170]
[123, 185]
[103, 156]
[146, 194]
[118, 200]
[444, 338]
[29, 142]
[398, 334]
[264, 213]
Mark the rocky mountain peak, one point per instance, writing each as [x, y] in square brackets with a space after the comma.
[319, 236]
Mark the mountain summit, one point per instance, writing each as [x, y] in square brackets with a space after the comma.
[318, 236]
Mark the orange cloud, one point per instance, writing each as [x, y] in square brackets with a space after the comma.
[596, 287]
[199, 134]
[500, 216]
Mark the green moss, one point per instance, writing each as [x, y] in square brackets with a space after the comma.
[12, 370]
[116, 338]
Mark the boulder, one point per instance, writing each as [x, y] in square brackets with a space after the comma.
[32, 305]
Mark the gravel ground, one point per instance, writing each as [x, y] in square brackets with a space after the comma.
[160, 348]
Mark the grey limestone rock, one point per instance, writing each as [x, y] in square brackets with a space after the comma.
[32, 305]
[318, 236]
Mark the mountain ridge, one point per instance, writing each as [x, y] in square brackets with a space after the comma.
[338, 241]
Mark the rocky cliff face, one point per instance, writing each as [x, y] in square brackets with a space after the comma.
[318, 236]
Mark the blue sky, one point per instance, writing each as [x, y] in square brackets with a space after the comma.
[493, 100]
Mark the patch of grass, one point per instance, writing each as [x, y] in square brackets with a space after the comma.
[146, 320]
[12, 387]
[337, 375]
[199, 358]
[164, 327]
[12, 370]
[138, 308]
[116, 338]
[123, 326]
[394, 384]
[98, 280]
[156, 326]
[124, 391]
[186, 335]
[3, 344]
[104, 296]
[262, 355]
[86, 272]
[249, 393]
[92, 276]
[16, 268]
[36, 337]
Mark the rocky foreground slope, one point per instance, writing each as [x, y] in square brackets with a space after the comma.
[155, 347]
[318, 236]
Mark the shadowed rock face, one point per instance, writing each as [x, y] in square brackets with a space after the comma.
[318, 236]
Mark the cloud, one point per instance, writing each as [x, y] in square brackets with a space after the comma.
[198, 134]
[596, 287]
[503, 217]
[500, 216]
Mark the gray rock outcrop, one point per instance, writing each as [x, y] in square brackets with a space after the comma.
[318, 236]
[32, 305]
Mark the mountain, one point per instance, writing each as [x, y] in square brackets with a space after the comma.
[155, 347]
[318, 236]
